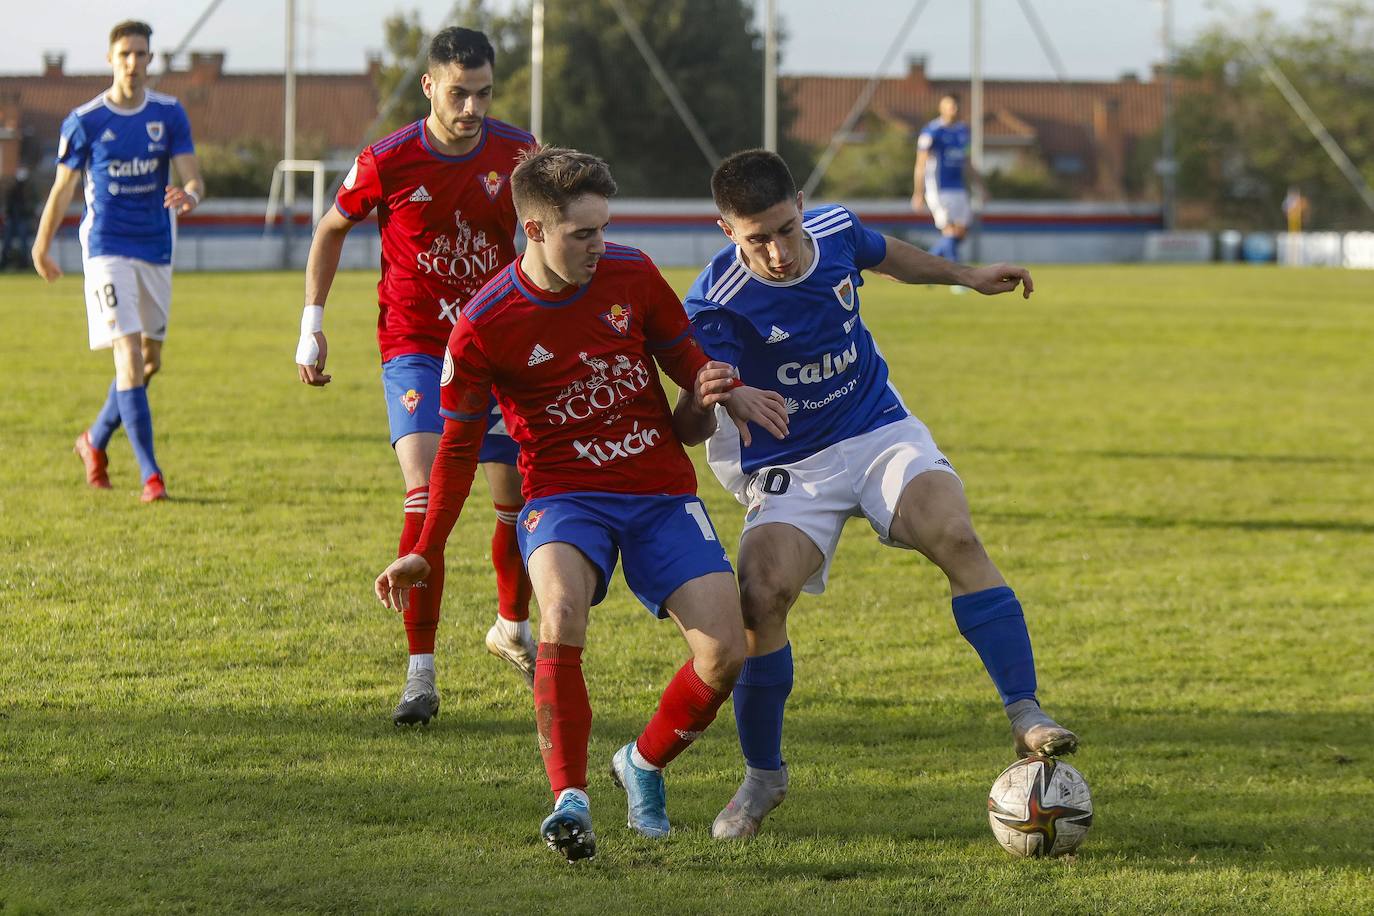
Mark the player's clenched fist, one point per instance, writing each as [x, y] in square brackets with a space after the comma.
[714, 382]
[402, 575]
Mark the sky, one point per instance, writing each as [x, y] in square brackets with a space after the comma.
[1095, 39]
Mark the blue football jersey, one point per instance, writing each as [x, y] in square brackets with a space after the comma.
[127, 156]
[803, 339]
[948, 146]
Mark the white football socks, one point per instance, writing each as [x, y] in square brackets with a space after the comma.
[518, 630]
[423, 662]
[638, 759]
[575, 793]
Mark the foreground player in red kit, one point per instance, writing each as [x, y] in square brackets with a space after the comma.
[569, 335]
[441, 190]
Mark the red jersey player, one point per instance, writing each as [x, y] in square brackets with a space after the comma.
[569, 336]
[441, 190]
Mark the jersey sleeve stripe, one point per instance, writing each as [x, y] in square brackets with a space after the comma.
[614, 248]
[486, 300]
[831, 230]
[825, 219]
[395, 139]
[90, 106]
[509, 131]
[725, 295]
[725, 279]
[461, 417]
[669, 344]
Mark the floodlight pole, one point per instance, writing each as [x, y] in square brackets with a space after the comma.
[537, 69]
[770, 76]
[1168, 165]
[976, 112]
[289, 136]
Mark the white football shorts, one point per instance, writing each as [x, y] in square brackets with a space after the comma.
[862, 476]
[126, 296]
[949, 207]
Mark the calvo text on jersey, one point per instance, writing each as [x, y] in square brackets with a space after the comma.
[828, 366]
[132, 168]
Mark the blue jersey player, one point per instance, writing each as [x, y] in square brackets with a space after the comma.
[942, 164]
[125, 141]
[782, 304]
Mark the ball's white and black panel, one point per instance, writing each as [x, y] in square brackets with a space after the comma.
[1040, 807]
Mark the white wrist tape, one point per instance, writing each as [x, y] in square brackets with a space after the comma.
[312, 323]
[192, 194]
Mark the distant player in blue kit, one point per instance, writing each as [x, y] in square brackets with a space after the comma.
[782, 304]
[942, 162]
[125, 140]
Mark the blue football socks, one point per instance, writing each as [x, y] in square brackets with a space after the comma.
[952, 247]
[992, 622]
[138, 424]
[760, 694]
[107, 421]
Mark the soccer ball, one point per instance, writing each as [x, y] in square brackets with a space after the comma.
[1040, 806]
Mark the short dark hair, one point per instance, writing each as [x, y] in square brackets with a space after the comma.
[750, 182]
[131, 27]
[548, 178]
[467, 48]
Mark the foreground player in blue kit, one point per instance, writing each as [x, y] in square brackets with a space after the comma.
[125, 139]
[782, 304]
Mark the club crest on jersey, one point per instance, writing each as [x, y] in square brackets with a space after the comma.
[155, 131]
[411, 400]
[618, 318]
[844, 292]
[531, 521]
[491, 183]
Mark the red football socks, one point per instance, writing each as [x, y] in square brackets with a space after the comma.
[562, 715]
[421, 613]
[512, 582]
[688, 705]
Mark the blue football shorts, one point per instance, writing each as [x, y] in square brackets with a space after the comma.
[664, 541]
[410, 383]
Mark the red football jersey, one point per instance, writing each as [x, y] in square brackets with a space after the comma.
[576, 379]
[447, 225]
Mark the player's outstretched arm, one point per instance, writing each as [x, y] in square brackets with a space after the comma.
[908, 264]
[59, 199]
[325, 250]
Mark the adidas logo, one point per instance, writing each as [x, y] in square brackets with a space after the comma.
[420, 196]
[778, 335]
[107, 136]
[539, 355]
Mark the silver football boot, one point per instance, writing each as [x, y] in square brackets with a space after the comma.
[759, 794]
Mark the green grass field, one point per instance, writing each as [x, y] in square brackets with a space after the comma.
[1173, 466]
